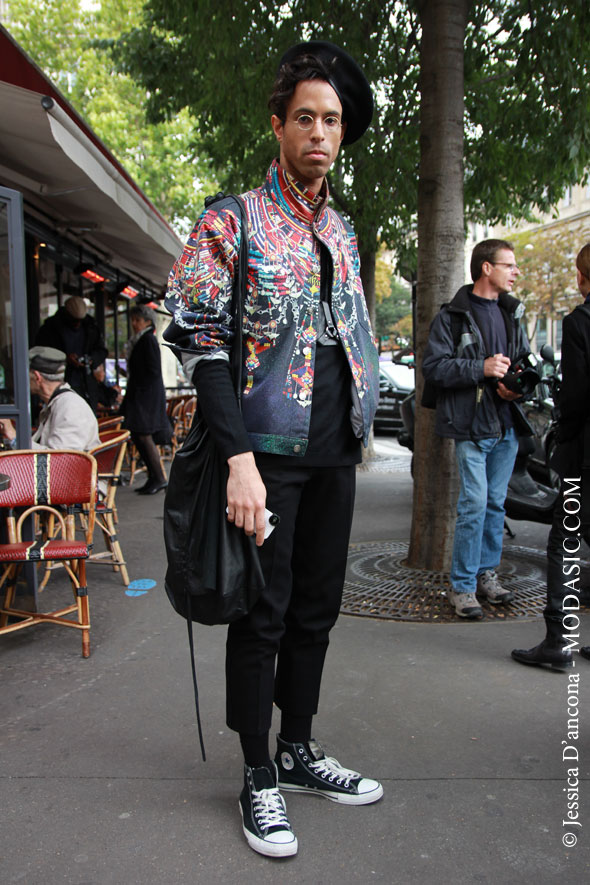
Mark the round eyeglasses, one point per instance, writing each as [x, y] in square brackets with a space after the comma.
[305, 122]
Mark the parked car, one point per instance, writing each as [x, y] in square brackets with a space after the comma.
[396, 381]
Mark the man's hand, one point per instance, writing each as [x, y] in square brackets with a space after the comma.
[246, 496]
[496, 366]
[7, 429]
[506, 394]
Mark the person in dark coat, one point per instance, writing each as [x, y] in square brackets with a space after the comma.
[571, 516]
[144, 405]
[73, 331]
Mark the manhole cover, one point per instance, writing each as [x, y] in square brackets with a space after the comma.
[379, 585]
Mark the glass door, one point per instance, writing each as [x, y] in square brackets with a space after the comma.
[14, 339]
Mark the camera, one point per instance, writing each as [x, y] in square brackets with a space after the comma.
[85, 362]
[521, 377]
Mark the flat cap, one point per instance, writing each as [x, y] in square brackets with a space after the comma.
[76, 307]
[48, 360]
[346, 79]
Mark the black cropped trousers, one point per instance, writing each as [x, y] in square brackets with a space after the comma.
[566, 551]
[276, 653]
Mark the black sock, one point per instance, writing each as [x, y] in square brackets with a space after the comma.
[295, 729]
[255, 750]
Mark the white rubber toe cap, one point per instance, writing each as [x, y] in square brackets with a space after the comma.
[368, 787]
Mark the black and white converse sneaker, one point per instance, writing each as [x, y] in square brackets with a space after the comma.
[304, 768]
[264, 814]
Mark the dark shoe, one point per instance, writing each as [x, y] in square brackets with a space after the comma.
[543, 655]
[150, 488]
[304, 768]
[585, 652]
[264, 814]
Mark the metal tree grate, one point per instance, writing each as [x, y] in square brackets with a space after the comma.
[379, 585]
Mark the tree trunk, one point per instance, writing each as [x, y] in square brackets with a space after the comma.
[368, 259]
[440, 262]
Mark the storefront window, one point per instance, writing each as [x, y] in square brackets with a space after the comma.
[6, 354]
[115, 340]
[14, 365]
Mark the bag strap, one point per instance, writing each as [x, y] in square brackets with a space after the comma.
[237, 312]
[233, 201]
[191, 642]
[239, 298]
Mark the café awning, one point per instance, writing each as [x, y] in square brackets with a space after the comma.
[69, 177]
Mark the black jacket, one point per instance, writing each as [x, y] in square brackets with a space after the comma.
[80, 379]
[573, 401]
[144, 406]
[458, 371]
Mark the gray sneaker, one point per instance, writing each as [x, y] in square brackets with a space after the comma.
[465, 604]
[489, 586]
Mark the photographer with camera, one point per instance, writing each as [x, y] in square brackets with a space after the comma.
[72, 330]
[477, 360]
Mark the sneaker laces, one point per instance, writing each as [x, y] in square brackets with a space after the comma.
[490, 583]
[330, 767]
[269, 808]
[490, 578]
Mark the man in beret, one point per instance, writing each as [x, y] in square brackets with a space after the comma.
[66, 420]
[72, 330]
[310, 389]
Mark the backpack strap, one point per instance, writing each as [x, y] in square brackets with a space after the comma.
[456, 328]
[430, 390]
[233, 201]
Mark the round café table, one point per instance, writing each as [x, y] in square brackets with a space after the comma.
[4, 482]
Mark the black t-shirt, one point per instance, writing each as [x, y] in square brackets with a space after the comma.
[490, 321]
[332, 442]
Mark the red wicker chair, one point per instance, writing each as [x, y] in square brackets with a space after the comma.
[110, 422]
[46, 483]
[188, 414]
[176, 416]
[109, 458]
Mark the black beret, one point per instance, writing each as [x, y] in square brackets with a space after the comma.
[346, 79]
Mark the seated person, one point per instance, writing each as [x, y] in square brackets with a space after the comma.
[66, 420]
[109, 395]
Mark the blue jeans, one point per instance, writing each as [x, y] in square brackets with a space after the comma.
[484, 471]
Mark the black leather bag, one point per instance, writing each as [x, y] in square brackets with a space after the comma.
[214, 574]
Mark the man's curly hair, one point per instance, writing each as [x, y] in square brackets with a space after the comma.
[306, 67]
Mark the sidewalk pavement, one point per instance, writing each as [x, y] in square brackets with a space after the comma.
[102, 781]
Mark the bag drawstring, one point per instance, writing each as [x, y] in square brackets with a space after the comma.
[238, 297]
[191, 642]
